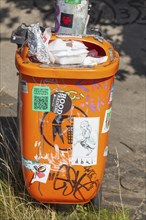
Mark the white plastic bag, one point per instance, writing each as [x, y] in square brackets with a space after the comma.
[67, 52]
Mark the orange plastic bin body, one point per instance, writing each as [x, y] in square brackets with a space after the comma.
[65, 114]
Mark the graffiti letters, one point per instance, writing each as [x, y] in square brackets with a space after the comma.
[70, 181]
[117, 13]
[112, 12]
[90, 173]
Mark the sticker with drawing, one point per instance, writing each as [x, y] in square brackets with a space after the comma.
[41, 171]
[85, 141]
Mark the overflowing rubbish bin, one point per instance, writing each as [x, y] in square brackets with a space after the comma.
[66, 85]
[65, 115]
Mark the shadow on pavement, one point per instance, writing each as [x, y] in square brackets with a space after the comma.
[123, 23]
[128, 16]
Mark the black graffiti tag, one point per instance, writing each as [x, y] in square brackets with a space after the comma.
[114, 12]
[90, 173]
[73, 182]
[118, 13]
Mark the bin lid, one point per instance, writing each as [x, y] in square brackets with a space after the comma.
[104, 70]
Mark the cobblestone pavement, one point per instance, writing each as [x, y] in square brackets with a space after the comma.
[122, 22]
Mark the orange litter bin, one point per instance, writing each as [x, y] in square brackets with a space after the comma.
[65, 114]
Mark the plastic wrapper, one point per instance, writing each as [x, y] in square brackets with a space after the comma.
[38, 43]
[91, 61]
[93, 53]
[67, 52]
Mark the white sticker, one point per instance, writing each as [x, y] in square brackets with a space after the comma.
[85, 141]
[41, 171]
[23, 86]
[112, 92]
[105, 154]
[107, 121]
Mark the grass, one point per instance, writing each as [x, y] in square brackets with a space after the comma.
[15, 202]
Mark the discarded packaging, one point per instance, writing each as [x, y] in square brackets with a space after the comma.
[38, 43]
[67, 52]
[63, 52]
[91, 61]
[71, 16]
[93, 53]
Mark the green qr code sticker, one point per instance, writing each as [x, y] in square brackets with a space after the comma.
[41, 99]
[73, 1]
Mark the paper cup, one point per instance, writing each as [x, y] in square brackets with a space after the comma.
[71, 16]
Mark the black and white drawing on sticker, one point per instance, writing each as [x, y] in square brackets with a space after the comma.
[85, 141]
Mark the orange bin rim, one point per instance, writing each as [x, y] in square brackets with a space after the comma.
[105, 70]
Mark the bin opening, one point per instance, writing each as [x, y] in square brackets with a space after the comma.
[96, 47]
[54, 50]
[73, 52]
